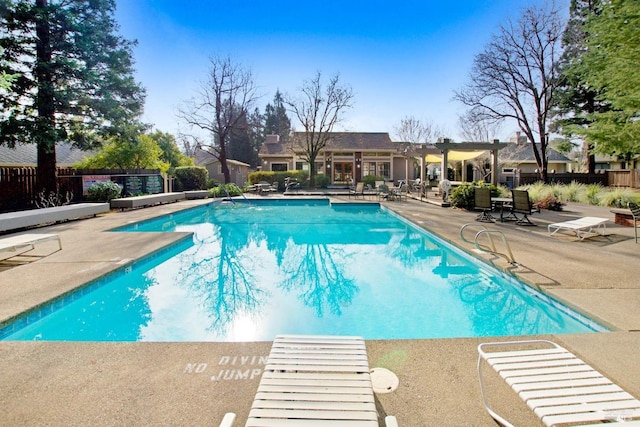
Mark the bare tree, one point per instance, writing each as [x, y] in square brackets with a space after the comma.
[416, 131]
[474, 129]
[318, 109]
[515, 77]
[219, 105]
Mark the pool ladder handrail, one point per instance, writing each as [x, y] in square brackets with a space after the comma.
[492, 250]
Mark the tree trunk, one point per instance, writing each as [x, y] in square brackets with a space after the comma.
[46, 132]
[312, 172]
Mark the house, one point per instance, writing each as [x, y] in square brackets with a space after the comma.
[239, 171]
[518, 158]
[346, 156]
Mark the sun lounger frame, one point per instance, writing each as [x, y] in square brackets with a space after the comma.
[583, 227]
[560, 388]
[26, 242]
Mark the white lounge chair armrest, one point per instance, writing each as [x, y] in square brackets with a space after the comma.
[390, 421]
[228, 419]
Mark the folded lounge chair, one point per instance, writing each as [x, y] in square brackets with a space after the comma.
[25, 242]
[583, 227]
[560, 388]
[315, 381]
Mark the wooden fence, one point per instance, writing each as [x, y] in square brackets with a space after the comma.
[18, 184]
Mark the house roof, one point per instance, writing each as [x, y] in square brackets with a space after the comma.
[204, 157]
[338, 141]
[522, 152]
[27, 155]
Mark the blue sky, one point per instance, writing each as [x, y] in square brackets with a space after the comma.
[401, 59]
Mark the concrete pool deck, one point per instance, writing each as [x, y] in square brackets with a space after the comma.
[106, 384]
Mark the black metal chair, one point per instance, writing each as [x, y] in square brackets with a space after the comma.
[482, 202]
[522, 205]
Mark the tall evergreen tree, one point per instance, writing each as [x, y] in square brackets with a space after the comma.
[610, 66]
[75, 77]
[576, 100]
[276, 120]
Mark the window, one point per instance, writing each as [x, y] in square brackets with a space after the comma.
[377, 168]
[279, 167]
[384, 169]
[301, 166]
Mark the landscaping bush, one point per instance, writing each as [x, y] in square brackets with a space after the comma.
[190, 178]
[322, 181]
[370, 180]
[279, 177]
[219, 191]
[463, 195]
[104, 191]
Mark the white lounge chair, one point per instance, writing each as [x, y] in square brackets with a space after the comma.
[560, 388]
[583, 227]
[25, 242]
[315, 380]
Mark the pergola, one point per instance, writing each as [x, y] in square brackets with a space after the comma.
[458, 151]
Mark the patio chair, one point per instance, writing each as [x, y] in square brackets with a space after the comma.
[558, 387]
[635, 214]
[482, 202]
[522, 205]
[315, 380]
[357, 191]
[583, 227]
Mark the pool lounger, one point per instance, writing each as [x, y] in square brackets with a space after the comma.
[315, 380]
[560, 388]
[583, 227]
[26, 241]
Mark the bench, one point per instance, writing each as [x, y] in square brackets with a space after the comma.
[622, 217]
[146, 200]
[30, 218]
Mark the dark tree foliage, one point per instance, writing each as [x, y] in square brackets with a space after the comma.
[74, 77]
[276, 120]
[576, 100]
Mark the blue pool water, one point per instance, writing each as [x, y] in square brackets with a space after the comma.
[252, 271]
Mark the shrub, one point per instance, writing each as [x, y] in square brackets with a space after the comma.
[104, 191]
[322, 181]
[463, 195]
[370, 180]
[190, 178]
[551, 203]
[219, 191]
[279, 177]
[591, 193]
[617, 197]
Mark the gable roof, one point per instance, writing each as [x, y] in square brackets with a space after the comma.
[27, 155]
[203, 157]
[522, 152]
[338, 141]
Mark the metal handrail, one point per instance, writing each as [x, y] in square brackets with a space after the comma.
[492, 249]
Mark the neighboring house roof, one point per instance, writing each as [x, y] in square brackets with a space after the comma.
[338, 141]
[523, 153]
[203, 157]
[27, 155]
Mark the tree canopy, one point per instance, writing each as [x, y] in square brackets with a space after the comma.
[74, 77]
[142, 152]
[515, 77]
[609, 68]
[318, 108]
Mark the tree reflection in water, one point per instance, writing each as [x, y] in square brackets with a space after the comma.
[314, 272]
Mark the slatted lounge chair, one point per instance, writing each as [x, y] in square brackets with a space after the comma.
[357, 191]
[583, 227]
[315, 381]
[25, 242]
[560, 388]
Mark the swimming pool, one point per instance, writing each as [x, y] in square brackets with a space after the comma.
[252, 271]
